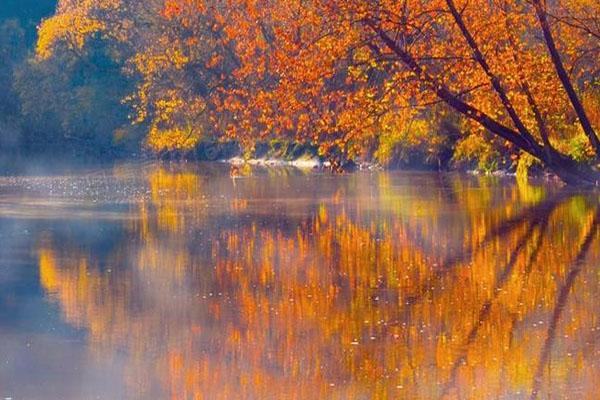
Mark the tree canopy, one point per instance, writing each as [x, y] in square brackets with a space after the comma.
[520, 77]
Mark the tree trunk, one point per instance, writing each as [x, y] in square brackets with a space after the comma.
[564, 77]
[568, 170]
[571, 172]
[494, 79]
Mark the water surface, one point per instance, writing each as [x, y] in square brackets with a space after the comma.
[179, 282]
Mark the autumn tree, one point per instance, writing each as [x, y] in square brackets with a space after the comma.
[514, 69]
[11, 52]
[17, 32]
[173, 55]
[338, 73]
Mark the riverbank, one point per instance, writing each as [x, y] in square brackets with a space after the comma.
[306, 160]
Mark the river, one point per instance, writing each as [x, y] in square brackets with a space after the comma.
[155, 281]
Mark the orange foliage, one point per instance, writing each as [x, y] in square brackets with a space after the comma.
[329, 72]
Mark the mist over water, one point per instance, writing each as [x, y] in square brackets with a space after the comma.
[152, 281]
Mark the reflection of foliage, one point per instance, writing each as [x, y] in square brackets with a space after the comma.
[244, 297]
[529, 193]
[578, 207]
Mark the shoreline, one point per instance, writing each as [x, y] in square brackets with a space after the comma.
[47, 167]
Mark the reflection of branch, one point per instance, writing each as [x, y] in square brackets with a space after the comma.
[544, 208]
[484, 312]
[561, 302]
[536, 214]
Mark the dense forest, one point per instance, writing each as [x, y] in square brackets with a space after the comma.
[66, 106]
[501, 84]
[18, 20]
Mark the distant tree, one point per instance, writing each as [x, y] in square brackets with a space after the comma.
[12, 51]
[28, 12]
[72, 103]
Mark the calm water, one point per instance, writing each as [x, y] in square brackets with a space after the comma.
[169, 282]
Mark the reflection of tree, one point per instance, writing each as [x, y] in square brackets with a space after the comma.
[249, 299]
[538, 222]
[561, 301]
[534, 215]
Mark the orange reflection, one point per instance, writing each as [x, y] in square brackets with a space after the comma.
[446, 290]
